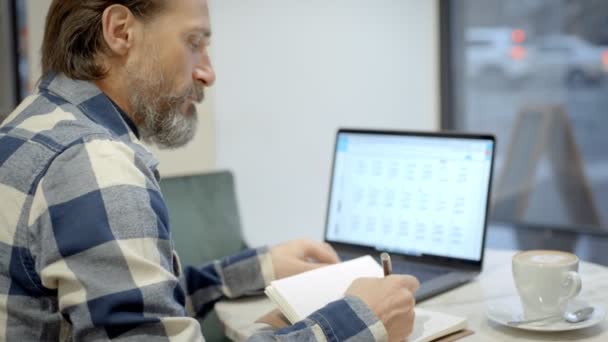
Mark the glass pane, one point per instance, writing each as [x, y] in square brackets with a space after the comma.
[7, 81]
[533, 72]
[23, 44]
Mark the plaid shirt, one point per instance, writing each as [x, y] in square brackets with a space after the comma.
[85, 246]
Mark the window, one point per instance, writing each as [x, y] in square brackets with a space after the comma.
[534, 73]
[13, 56]
[8, 95]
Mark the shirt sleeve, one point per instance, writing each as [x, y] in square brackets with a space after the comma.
[100, 237]
[348, 319]
[246, 273]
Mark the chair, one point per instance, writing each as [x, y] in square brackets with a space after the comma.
[205, 225]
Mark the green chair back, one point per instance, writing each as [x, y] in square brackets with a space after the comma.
[205, 225]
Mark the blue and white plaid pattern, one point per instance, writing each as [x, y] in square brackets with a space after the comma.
[85, 245]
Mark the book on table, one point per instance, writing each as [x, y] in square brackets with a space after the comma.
[299, 296]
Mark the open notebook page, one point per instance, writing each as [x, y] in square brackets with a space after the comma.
[310, 291]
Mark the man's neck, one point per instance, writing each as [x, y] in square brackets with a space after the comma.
[117, 91]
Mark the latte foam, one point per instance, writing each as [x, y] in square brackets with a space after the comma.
[546, 257]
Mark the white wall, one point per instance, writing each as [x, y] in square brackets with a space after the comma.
[198, 156]
[289, 72]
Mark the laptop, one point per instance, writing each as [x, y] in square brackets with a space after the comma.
[421, 197]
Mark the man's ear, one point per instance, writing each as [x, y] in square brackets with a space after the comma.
[118, 29]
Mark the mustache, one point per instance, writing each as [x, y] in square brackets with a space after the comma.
[197, 92]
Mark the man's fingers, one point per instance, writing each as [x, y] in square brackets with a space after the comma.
[412, 283]
[303, 266]
[331, 250]
[322, 252]
[408, 281]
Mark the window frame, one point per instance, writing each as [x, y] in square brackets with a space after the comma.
[12, 54]
[447, 117]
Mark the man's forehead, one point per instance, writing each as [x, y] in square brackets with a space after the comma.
[193, 15]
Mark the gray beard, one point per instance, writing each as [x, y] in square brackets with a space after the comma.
[161, 121]
[157, 110]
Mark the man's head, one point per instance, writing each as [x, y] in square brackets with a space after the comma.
[149, 56]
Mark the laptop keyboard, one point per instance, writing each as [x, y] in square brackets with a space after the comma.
[422, 272]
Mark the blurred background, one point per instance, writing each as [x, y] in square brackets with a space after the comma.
[533, 72]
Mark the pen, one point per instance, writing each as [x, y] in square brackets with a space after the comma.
[386, 264]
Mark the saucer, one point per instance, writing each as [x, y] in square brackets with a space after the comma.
[509, 309]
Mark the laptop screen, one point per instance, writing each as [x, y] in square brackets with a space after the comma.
[414, 194]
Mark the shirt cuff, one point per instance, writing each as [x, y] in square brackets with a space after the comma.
[246, 273]
[266, 265]
[349, 318]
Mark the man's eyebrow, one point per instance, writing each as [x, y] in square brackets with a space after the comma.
[203, 30]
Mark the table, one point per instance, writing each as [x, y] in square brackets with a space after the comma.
[494, 282]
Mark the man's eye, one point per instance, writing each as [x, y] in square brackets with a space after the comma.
[195, 43]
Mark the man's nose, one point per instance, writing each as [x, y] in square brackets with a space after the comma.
[204, 73]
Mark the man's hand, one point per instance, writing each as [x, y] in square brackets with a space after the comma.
[391, 299]
[298, 256]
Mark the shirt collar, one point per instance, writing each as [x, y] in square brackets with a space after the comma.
[92, 102]
[99, 108]
[127, 119]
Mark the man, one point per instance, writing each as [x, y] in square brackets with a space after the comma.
[85, 244]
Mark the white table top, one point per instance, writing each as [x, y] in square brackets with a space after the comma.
[495, 282]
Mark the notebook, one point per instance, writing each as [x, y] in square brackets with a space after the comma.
[300, 295]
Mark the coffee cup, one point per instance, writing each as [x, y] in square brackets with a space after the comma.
[545, 280]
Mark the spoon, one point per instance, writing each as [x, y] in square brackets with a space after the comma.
[572, 317]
